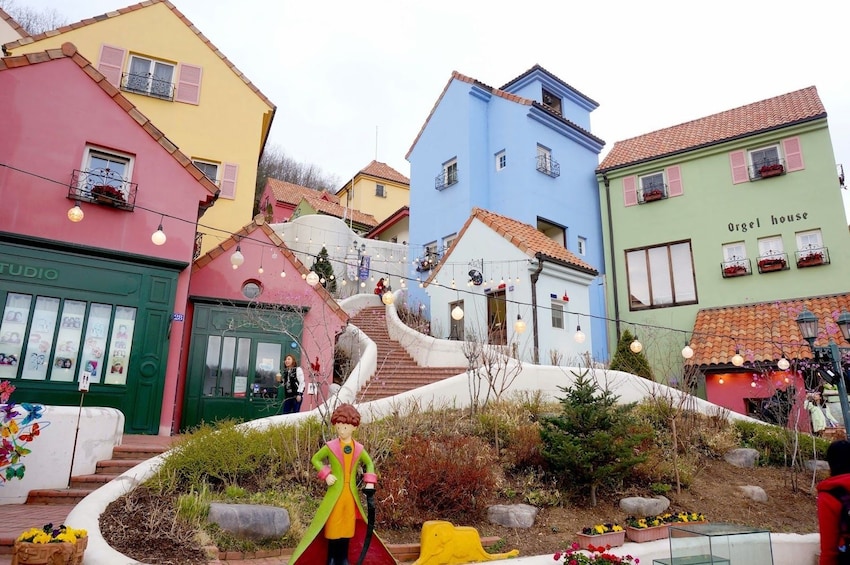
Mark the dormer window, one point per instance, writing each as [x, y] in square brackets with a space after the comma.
[551, 101]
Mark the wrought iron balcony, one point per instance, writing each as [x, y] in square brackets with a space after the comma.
[445, 180]
[766, 169]
[102, 186]
[736, 268]
[812, 257]
[772, 262]
[147, 85]
[548, 166]
[652, 193]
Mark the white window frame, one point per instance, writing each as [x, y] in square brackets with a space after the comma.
[448, 241]
[450, 172]
[151, 73]
[501, 160]
[653, 181]
[809, 240]
[756, 165]
[215, 180]
[558, 314]
[581, 245]
[120, 182]
[771, 246]
[546, 153]
[735, 253]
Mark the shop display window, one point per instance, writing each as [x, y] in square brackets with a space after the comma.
[12, 329]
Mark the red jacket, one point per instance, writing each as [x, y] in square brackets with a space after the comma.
[829, 509]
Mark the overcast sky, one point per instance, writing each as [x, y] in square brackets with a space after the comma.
[355, 80]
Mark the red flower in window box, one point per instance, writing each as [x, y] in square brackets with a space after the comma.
[734, 270]
[771, 170]
[108, 193]
[771, 264]
[653, 194]
[811, 259]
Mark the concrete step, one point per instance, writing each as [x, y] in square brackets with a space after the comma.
[91, 481]
[58, 496]
[117, 466]
[136, 452]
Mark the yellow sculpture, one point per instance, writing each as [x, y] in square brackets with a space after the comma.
[443, 543]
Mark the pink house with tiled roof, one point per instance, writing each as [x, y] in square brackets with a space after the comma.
[524, 150]
[531, 298]
[280, 198]
[376, 189]
[242, 322]
[97, 236]
[704, 218]
[164, 65]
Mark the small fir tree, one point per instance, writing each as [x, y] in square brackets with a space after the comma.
[627, 360]
[593, 440]
[322, 267]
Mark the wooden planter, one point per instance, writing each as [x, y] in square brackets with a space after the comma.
[609, 539]
[810, 261]
[25, 553]
[773, 172]
[769, 266]
[641, 535]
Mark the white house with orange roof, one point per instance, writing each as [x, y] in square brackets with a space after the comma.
[504, 282]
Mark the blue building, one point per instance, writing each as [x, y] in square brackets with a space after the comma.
[523, 150]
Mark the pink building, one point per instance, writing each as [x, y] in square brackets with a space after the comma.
[97, 240]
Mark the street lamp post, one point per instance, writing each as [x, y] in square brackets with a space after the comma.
[808, 324]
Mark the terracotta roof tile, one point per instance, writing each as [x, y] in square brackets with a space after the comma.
[538, 67]
[121, 11]
[384, 171]
[389, 221]
[338, 211]
[794, 107]
[246, 233]
[293, 193]
[762, 332]
[525, 237]
[69, 51]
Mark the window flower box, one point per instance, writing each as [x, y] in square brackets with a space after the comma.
[643, 535]
[774, 264]
[107, 194]
[734, 271]
[810, 260]
[653, 194]
[768, 171]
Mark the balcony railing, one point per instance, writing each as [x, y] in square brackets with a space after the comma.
[772, 262]
[148, 86]
[736, 268]
[652, 193]
[812, 257]
[767, 169]
[102, 186]
[445, 180]
[548, 166]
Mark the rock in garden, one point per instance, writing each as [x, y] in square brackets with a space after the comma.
[512, 515]
[816, 465]
[252, 521]
[754, 493]
[639, 506]
[742, 457]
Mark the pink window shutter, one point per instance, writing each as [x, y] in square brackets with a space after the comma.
[793, 154]
[738, 160]
[189, 84]
[674, 181]
[110, 63]
[228, 180]
[630, 191]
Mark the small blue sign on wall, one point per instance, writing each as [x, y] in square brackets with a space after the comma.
[177, 317]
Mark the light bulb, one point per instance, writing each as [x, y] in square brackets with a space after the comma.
[737, 360]
[322, 280]
[158, 237]
[457, 313]
[283, 274]
[76, 213]
[636, 346]
[579, 335]
[237, 258]
[344, 282]
[720, 381]
[260, 270]
[783, 364]
[519, 325]
[388, 298]
[753, 384]
[274, 254]
[312, 278]
[687, 352]
[363, 284]
[304, 276]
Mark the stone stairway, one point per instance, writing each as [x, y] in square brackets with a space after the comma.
[397, 371]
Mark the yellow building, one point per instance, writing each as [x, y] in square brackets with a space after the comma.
[178, 79]
[378, 190]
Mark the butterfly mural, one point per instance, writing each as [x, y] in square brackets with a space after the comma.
[19, 426]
